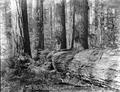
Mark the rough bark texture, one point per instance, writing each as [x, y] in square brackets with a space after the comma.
[40, 23]
[81, 24]
[14, 21]
[38, 27]
[26, 41]
[63, 34]
[84, 20]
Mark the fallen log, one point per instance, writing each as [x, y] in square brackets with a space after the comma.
[96, 66]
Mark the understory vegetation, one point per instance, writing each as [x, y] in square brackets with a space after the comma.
[60, 45]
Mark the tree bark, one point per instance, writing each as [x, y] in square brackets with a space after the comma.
[51, 22]
[81, 24]
[73, 34]
[84, 26]
[26, 41]
[38, 26]
[16, 31]
[63, 23]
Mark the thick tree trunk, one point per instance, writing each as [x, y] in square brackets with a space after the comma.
[63, 23]
[38, 26]
[16, 28]
[7, 30]
[3, 38]
[81, 21]
[26, 41]
[98, 21]
[84, 26]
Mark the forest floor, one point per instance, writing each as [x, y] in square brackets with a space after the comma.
[40, 79]
[68, 88]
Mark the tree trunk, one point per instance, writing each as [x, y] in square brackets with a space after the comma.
[38, 26]
[98, 21]
[63, 23]
[16, 31]
[81, 24]
[26, 41]
[3, 37]
[51, 23]
[84, 26]
[7, 31]
[73, 34]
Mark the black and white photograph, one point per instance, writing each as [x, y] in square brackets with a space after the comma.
[60, 45]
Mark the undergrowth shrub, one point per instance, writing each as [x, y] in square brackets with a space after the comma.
[16, 72]
[21, 71]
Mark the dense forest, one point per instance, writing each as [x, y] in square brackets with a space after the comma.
[60, 45]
